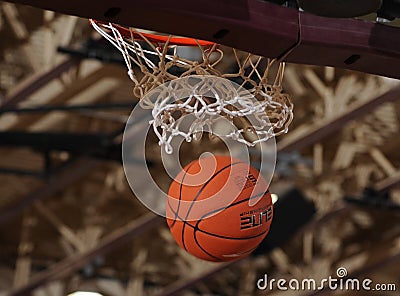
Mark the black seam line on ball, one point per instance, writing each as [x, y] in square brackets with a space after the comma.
[197, 196]
[180, 196]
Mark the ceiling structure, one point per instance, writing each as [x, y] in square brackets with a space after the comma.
[69, 221]
[258, 27]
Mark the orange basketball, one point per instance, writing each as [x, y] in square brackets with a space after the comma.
[219, 209]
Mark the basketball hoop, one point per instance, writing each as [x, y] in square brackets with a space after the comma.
[159, 61]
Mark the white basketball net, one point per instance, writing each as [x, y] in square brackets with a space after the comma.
[159, 64]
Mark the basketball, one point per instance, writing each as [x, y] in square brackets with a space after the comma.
[219, 208]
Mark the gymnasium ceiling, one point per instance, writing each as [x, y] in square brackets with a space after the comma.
[69, 221]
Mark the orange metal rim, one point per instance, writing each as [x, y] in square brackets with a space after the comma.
[154, 38]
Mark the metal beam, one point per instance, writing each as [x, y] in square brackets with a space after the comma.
[22, 172]
[97, 145]
[79, 107]
[117, 238]
[73, 142]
